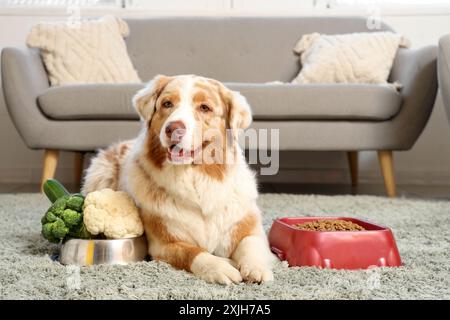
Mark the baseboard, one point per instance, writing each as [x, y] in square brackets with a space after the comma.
[410, 177]
[33, 175]
[342, 176]
[285, 175]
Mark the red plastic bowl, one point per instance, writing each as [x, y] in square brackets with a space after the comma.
[373, 247]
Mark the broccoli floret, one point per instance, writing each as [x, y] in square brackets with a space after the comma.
[75, 203]
[71, 217]
[59, 229]
[50, 217]
[55, 231]
[57, 208]
[47, 232]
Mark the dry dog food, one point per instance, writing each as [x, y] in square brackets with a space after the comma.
[329, 225]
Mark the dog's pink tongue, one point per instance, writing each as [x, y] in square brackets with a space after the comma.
[178, 152]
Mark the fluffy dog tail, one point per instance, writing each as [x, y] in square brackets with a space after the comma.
[104, 170]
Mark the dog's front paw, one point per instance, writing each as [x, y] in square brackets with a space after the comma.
[253, 272]
[215, 269]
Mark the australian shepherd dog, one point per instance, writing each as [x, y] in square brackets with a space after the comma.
[188, 175]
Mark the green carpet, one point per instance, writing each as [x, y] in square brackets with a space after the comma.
[420, 227]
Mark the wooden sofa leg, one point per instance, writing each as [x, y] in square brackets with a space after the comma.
[78, 168]
[50, 162]
[387, 169]
[353, 164]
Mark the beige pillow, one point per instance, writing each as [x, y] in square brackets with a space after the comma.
[91, 51]
[347, 58]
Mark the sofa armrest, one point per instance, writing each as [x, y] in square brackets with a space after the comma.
[444, 70]
[416, 71]
[23, 79]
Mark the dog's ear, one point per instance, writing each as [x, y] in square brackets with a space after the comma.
[144, 100]
[239, 113]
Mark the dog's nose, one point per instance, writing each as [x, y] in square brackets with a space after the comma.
[175, 130]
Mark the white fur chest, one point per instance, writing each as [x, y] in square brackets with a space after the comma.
[197, 208]
[207, 209]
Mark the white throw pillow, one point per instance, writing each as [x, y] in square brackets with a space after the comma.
[347, 58]
[91, 51]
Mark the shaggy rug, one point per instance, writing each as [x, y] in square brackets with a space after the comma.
[420, 227]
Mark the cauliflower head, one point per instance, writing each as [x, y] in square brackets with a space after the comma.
[112, 213]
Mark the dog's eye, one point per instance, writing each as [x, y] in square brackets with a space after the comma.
[205, 108]
[167, 104]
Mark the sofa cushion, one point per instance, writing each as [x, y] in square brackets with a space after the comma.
[92, 51]
[268, 101]
[364, 57]
[321, 101]
[90, 102]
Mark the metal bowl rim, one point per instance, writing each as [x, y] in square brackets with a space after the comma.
[104, 240]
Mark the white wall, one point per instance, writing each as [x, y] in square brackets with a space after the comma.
[427, 163]
[17, 162]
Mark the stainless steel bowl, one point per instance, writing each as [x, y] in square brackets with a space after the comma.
[115, 251]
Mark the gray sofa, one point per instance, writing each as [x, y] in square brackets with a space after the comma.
[245, 53]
